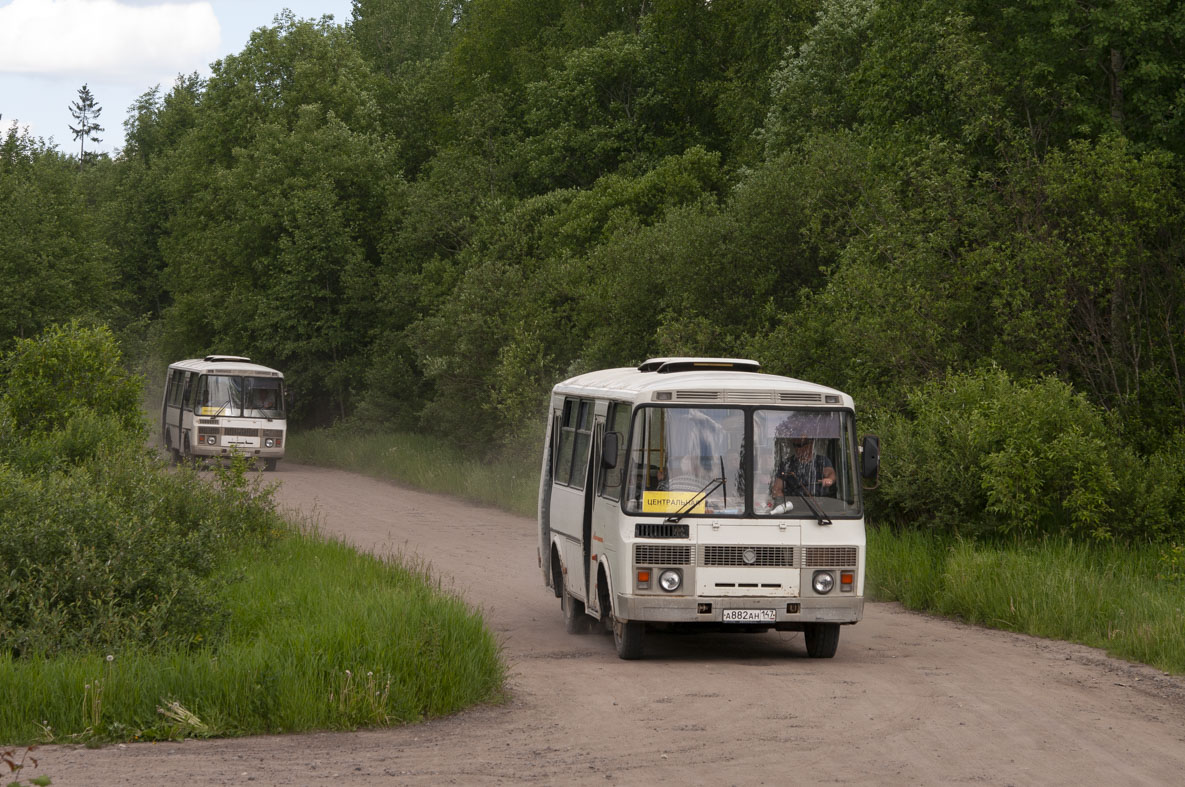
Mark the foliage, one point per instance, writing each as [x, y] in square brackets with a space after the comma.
[143, 603]
[117, 551]
[67, 372]
[53, 261]
[85, 112]
[430, 215]
[358, 641]
[271, 249]
[100, 547]
[979, 453]
[1105, 596]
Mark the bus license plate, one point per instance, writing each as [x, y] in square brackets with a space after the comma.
[749, 616]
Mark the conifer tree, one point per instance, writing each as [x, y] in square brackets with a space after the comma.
[86, 112]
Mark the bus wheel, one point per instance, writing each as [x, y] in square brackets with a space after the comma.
[628, 636]
[575, 619]
[269, 464]
[821, 639]
[606, 621]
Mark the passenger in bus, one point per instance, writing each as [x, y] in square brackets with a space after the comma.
[684, 475]
[802, 470]
[266, 398]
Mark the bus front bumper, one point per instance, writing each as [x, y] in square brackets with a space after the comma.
[789, 613]
[226, 452]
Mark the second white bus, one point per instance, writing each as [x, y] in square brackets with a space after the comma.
[222, 404]
[701, 494]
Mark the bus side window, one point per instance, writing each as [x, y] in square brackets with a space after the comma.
[584, 425]
[187, 399]
[619, 422]
[575, 435]
[563, 461]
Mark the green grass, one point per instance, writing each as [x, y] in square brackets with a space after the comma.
[1128, 601]
[1125, 600]
[321, 637]
[510, 482]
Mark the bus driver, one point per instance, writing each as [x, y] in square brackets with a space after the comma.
[802, 470]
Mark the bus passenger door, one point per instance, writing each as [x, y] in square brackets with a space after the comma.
[591, 483]
[605, 497]
[569, 501]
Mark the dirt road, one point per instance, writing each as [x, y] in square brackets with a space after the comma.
[907, 700]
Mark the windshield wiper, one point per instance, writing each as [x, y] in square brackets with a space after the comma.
[695, 500]
[811, 504]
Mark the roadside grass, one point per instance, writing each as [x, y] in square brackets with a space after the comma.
[1127, 600]
[1117, 598]
[320, 637]
[509, 482]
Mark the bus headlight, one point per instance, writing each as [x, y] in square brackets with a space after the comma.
[211, 440]
[270, 442]
[670, 580]
[822, 582]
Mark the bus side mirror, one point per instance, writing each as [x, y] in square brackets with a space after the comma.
[870, 456]
[609, 446]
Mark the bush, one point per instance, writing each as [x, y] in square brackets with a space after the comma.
[983, 454]
[65, 370]
[119, 551]
[100, 546]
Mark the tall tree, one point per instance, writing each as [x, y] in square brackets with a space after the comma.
[86, 113]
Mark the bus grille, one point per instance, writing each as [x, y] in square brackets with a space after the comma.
[660, 530]
[238, 431]
[662, 554]
[830, 556]
[767, 556]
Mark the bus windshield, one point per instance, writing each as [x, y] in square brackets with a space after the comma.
[805, 459]
[234, 395]
[693, 460]
[677, 456]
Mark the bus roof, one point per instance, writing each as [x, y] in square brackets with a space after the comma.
[701, 380]
[225, 364]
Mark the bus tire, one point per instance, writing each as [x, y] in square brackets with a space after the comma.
[270, 464]
[822, 639]
[629, 638]
[606, 620]
[575, 619]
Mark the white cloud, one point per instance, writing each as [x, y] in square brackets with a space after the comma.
[106, 38]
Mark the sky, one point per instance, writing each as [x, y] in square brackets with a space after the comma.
[120, 49]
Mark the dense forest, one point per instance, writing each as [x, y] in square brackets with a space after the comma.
[968, 214]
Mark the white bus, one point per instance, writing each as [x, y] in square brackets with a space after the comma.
[702, 494]
[220, 404]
